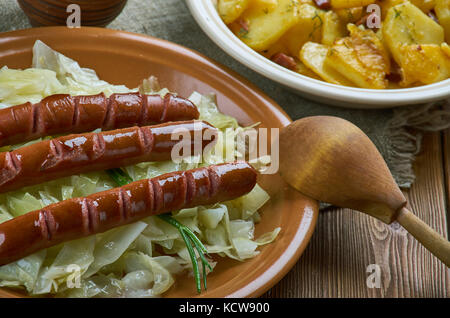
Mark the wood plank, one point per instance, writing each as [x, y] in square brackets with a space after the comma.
[446, 147]
[346, 242]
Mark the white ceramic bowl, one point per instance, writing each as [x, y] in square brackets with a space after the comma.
[205, 13]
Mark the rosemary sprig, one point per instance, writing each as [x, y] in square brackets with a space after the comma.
[119, 176]
[190, 239]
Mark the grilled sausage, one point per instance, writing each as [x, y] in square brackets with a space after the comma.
[62, 113]
[76, 218]
[74, 154]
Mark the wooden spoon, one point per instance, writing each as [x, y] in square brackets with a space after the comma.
[331, 160]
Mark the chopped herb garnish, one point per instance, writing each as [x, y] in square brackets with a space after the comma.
[243, 33]
[191, 241]
[350, 16]
[316, 26]
[291, 5]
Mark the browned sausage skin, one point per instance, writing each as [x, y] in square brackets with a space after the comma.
[62, 113]
[76, 218]
[73, 154]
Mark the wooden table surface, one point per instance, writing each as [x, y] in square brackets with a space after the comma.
[346, 242]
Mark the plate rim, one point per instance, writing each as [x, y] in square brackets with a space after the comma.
[298, 244]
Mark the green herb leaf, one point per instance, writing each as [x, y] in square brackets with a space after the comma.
[119, 176]
[243, 33]
[190, 239]
[201, 249]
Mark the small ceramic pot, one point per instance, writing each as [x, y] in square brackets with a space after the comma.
[54, 12]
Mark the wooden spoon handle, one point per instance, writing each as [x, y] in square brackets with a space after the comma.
[430, 239]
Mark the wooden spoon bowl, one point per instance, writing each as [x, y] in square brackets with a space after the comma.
[331, 160]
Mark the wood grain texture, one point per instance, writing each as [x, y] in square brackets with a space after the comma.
[346, 242]
[446, 154]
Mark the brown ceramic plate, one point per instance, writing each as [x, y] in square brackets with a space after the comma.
[127, 58]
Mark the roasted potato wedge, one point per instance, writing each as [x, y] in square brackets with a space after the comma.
[385, 5]
[230, 10]
[446, 49]
[313, 56]
[341, 42]
[308, 28]
[407, 24]
[332, 28]
[361, 58]
[345, 4]
[424, 5]
[264, 6]
[264, 29]
[304, 70]
[443, 14]
[351, 15]
[423, 63]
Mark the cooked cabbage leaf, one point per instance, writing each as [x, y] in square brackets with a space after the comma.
[125, 261]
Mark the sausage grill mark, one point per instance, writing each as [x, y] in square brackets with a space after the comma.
[76, 112]
[16, 163]
[47, 225]
[44, 226]
[158, 196]
[184, 189]
[93, 216]
[190, 187]
[213, 180]
[146, 139]
[54, 157]
[151, 201]
[99, 146]
[35, 111]
[58, 114]
[86, 218]
[90, 216]
[124, 204]
[155, 202]
[11, 168]
[74, 154]
[143, 112]
[14, 116]
[80, 217]
[166, 101]
[108, 111]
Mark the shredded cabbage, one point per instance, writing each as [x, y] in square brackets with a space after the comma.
[140, 259]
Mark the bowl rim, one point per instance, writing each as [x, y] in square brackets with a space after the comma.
[278, 269]
[206, 15]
